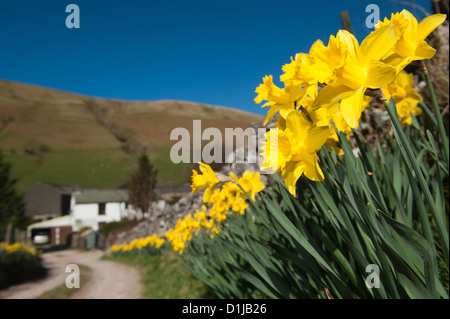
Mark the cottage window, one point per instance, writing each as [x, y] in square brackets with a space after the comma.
[101, 208]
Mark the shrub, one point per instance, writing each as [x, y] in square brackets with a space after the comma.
[18, 263]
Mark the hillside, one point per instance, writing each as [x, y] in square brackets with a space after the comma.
[67, 138]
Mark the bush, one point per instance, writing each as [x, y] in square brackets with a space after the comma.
[18, 263]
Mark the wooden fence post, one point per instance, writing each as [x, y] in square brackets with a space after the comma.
[345, 18]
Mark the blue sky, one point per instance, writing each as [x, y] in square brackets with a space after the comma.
[208, 51]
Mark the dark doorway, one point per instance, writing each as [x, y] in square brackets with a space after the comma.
[101, 208]
[65, 204]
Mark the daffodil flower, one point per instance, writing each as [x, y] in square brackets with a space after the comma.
[411, 45]
[406, 98]
[207, 179]
[293, 152]
[222, 199]
[325, 116]
[250, 182]
[326, 59]
[298, 71]
[279, 100]
[362, 69]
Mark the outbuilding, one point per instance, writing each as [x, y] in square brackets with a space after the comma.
[88, 209]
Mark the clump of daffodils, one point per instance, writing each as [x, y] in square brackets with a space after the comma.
[17, 247]
[406, 98]
[187, 226]
[139, 243]
[222, 195]
[328, 85]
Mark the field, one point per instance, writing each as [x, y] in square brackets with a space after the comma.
[107, 168]
[70, 139]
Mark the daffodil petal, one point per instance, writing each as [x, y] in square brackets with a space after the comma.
[423, 51]
[207, 194]
[380, 74]
[316, 138]
[270, 113]
[331, 94]
[351, 107]
[312, 169]
[285, 110]
[299, 125]
[268, 104]
[393, 59]
[427, 25]
[350, 41]
[351, 75]
[293, 172]
[323, 115]
[233, 176]
[414, 96]
[377, 44]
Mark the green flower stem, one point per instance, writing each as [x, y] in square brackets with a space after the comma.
[437, 113]
[430, 116]
[410, 158]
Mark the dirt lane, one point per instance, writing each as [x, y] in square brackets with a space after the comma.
[108, 279]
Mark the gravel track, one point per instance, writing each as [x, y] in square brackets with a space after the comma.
[108, 279]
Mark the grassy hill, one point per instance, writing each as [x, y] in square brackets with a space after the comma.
[67, 138]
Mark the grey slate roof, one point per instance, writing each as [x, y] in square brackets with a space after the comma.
[101, 196]
[45, 198]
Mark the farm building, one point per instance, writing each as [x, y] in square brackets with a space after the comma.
[86, 209]
[47, 200]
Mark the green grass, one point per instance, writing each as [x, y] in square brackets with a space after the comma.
[86, 168]
[168, 171]
[165, 277]
[62, 292]
[107, 168]
[23, 165]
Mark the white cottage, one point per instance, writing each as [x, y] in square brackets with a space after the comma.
[92, 208]
[88, 208]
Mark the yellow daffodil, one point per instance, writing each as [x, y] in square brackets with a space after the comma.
[316, 67]
[298, 72]
[276, 150]
[293, 151]
[250, 182]
[239, 206]
[411, 45]
[115, 248]
[181, 233]
[406, 98]
[21, 248]
[139, 243]
[326, 59]
[362, 69]
[207, 179]
[214, 231]
[279, 100]
[221, 205]
[325, 116]
[223, 199]
[159, 242]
